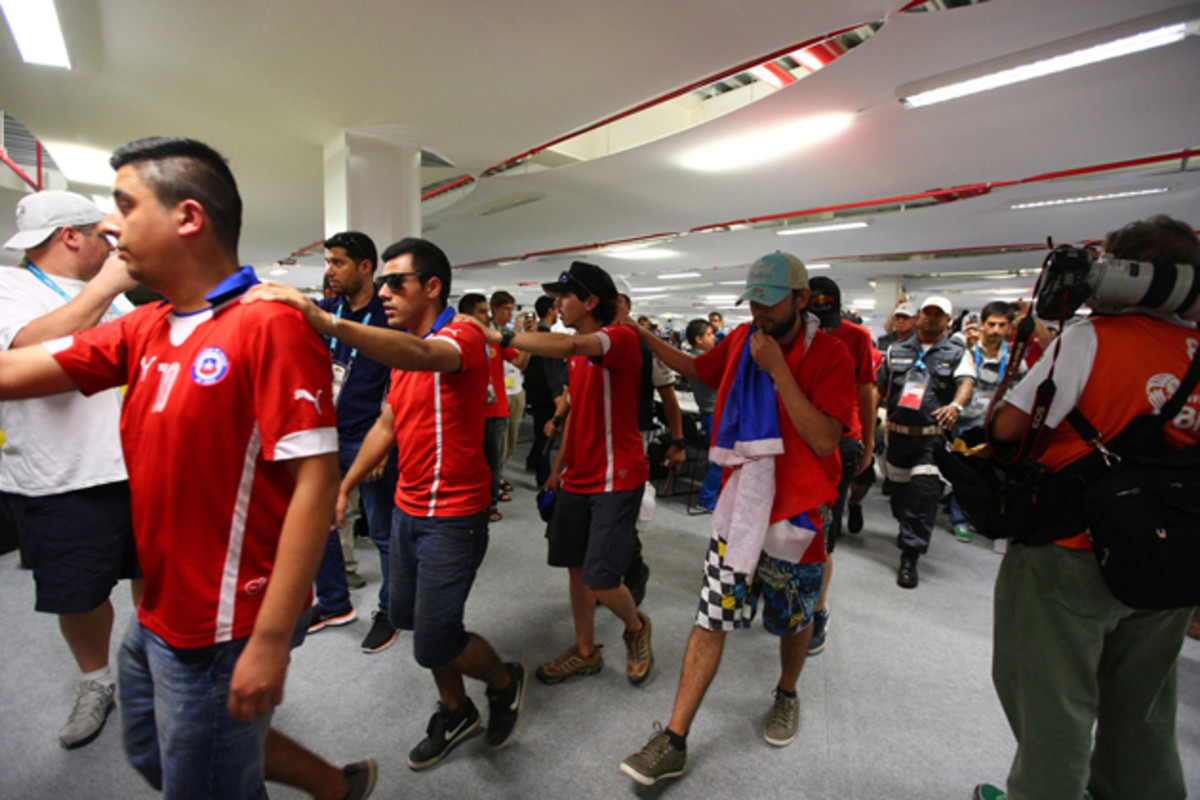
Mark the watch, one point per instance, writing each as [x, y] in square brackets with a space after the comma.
[957, 407]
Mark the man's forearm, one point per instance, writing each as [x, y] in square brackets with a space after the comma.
[82, 312]
[375, 447]
[867, 413]
[677, 360]
[32, 372]
[671, 411]
[396, 349]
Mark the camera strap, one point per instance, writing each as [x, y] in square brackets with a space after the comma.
[1031, 439]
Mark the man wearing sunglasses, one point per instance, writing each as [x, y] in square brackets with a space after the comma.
[434, 415]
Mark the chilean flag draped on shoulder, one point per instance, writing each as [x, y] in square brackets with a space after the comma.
[747, 440]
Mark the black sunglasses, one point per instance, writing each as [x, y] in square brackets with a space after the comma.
[394, 280]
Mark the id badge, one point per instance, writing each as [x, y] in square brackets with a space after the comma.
[339, 378]
[915, 384]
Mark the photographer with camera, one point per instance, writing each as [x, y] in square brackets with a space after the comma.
[1068, 655]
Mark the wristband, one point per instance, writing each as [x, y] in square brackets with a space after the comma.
[679, 443]
[558, 421]
[957, 407]
[506, 337]
[333, 324]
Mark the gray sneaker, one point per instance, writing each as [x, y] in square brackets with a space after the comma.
[93, 701]
[783, 721]
[657, 760]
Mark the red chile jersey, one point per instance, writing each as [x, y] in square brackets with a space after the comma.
[439, 430]
[604, 446]
[218, 402]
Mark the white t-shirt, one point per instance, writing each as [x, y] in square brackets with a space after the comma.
[1072, 369]
[61, 443]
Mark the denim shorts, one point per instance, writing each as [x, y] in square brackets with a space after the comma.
[175, 719]
[79, 544]
[597, 532]
[433, 565]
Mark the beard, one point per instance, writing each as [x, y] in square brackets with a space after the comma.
[784, 326]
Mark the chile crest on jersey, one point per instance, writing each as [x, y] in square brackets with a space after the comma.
[210, 367]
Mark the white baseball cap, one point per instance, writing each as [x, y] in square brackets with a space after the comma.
[940, 302]
[42, 213]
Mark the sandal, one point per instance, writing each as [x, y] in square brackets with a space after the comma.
[505, 497]
[494, 515]
[505, 486]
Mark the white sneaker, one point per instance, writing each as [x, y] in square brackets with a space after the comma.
[93, 701]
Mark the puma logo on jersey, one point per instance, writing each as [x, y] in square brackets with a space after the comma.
[304, 394]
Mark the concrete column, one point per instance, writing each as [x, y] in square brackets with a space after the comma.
[887, 290]
[373, 186]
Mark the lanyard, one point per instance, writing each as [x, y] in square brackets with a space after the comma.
[333, 342]
[1003, 359]
[36, 272]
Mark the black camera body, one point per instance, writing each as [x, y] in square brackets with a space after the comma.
[1071, 277]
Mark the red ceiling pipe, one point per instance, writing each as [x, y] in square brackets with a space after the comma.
[35, 185]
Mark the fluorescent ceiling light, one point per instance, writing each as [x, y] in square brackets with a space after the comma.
[1089, 198]
[741, 282]
[720, 298]
[811, 267]
[645, 288]
[946, 88]
[668, 276]
[34, 26]
[640, 254]
[82, 164]
[764, 146]
[278, 271]
[865, 303]
[831, 227]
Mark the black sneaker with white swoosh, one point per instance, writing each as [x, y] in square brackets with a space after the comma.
[446, 729]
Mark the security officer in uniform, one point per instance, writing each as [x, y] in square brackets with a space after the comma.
[923, 397]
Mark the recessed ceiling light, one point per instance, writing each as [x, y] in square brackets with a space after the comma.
[1038, 62]
[668, 276]
[763, 146]
[34, 26]
[829, 228]
[643, 254]
[82, 164]
[1087, 198]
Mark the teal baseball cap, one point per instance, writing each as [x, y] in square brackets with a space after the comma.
[772, 277]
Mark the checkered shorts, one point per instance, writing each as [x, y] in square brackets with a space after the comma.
[729, 599]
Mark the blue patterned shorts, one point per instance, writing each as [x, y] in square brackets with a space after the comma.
[729, 599]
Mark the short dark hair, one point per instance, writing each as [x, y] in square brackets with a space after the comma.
[179, 169]
[605, 310]
[1160, 239]
[716, 314]
[428, 262]
[501, 298]
[997, 308]
[469, 302]
[695, 329]
[543, 305]
[357, 245]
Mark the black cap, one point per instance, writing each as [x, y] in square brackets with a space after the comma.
[584, 280]
[825, 301]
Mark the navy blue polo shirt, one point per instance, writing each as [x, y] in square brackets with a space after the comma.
[366, 382]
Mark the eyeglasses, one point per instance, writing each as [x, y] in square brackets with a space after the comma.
[394, 280]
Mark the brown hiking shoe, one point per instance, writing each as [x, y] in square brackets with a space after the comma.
[569, 664]
[639, 657]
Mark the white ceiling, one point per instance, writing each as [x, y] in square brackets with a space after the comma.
[269, 82]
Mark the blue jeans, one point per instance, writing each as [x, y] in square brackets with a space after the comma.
[434, 561]
[712, 476]
[378, 500]
[175, 720]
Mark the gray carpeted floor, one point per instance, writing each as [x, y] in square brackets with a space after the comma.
[900, 705]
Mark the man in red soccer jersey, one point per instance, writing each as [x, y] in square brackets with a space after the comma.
[600, 471]
[434, 416]
[785, 393]
[229, 558]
